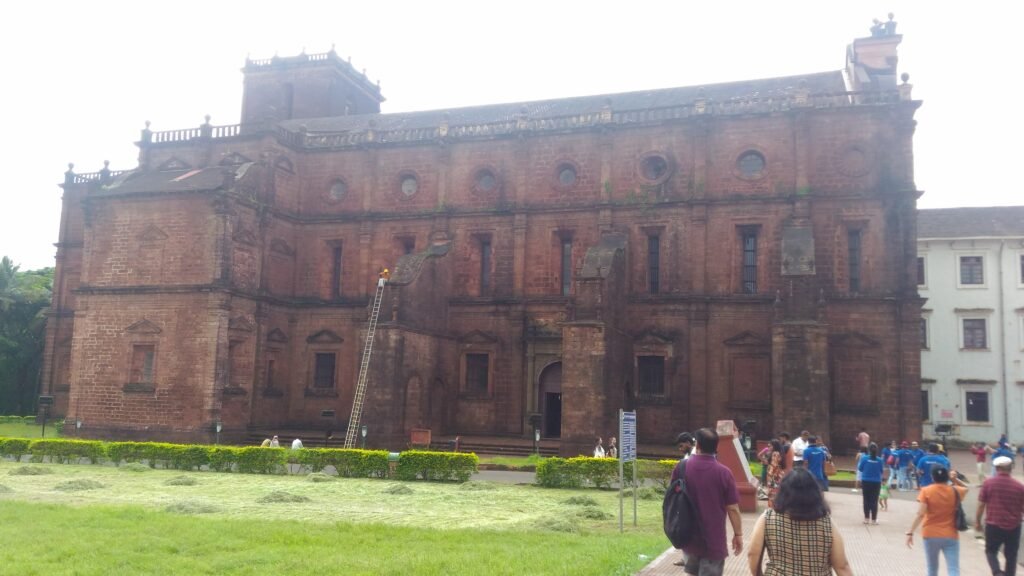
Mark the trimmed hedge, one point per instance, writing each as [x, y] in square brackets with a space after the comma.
[66, 451]
[582, 471]
[436, 466]
[18, 419]
[349, 463]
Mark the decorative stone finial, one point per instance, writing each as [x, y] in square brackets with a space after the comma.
[106, 163]
[147, 124]
[332, 48]
[905, 77]
[207, 117]
[364, 72]
[71, 166]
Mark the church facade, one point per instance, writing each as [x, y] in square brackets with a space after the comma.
[734, 251]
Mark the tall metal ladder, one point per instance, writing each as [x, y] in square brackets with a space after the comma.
[357, 402]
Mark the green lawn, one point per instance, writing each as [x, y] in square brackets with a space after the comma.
[27, 430]
[347, 526]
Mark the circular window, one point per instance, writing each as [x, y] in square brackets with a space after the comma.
[410, 185]
[654, 168]
[751, 164]
[854, 161]
[486, 181]
[566, 175]
[338, 190]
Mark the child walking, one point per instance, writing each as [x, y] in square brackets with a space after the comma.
[883, 497]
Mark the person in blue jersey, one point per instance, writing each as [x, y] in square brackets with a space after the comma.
[904, 458]
[916, 454]
[815, 456]
[870, 470]
[927, 462]
[1004, 450]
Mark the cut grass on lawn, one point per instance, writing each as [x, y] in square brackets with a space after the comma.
[138, 524]
[27, 431]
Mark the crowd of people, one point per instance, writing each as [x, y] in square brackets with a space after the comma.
[797, 533]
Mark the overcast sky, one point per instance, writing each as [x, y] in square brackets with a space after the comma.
[81, 78]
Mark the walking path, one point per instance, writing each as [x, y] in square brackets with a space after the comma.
[871, 549]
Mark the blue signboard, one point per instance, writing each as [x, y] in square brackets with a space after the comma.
[627, 437]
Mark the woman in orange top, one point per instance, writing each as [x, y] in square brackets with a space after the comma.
[938, 513]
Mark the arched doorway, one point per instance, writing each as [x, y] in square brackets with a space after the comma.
[550, 400]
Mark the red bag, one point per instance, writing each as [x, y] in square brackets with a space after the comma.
[891, 461]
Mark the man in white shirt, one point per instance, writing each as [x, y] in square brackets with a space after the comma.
[798, 448]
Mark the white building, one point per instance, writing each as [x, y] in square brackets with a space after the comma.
[970, 267]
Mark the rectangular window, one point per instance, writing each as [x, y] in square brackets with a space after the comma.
[270, 373]
[925, 406]
[1022, 268]
[477, 373]
[972, 270]
[853, 254]
[977, 406]
[408, 245]
[323, 376]
[143, 356]
[924, 333]
[651, 375]
[653, 264]
[485, 266]
[336, 271]
[921, 279]
[975, 337]
[748, 238]
[566, 266]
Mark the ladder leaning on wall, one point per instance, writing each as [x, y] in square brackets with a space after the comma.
[357, 402]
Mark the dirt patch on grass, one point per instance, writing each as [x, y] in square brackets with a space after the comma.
[580, 501]
[189, 507]
[30, 471]
[278, 496]
[398, 490]
[182, 481]
[320, 477]
[79, 485]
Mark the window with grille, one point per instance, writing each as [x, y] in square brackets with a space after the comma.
[653, 264]
[924, 333]
[323, 376]
[925, 406]
[853, 253]
[975, 337]
[977, 406]
[566, 266]
[748, 238]
[336, 271]
[921, 279]
[485, 266]
[651, 375]
[972, 270]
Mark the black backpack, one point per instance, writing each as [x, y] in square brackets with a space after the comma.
[678, 512]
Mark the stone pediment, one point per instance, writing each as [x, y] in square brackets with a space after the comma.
[234, 159]
[152, 233]
[279, 246]
[241, 323]
[244, 236]
[174, 163]
[653, 337]
[143, 327]
[283, 163]
[853, 340]
[276, 335]
[477, 337]
[747, 338]
[325, 337]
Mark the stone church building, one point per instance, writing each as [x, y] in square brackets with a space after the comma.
[742, 250]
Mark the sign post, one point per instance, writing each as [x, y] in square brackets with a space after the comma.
[627, 453]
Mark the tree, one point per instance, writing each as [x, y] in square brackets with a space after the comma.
[24, 298]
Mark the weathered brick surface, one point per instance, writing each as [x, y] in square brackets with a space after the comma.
[239, 282]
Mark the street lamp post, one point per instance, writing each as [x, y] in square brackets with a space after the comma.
[536, 440]
[78, 426]
[218, 427]
[362, 432]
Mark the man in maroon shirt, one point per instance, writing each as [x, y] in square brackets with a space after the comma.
[1003, 498]
[713, 490]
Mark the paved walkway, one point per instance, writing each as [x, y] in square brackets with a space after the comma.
[871, 549]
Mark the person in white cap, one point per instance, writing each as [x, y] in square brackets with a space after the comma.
[1003, 499]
